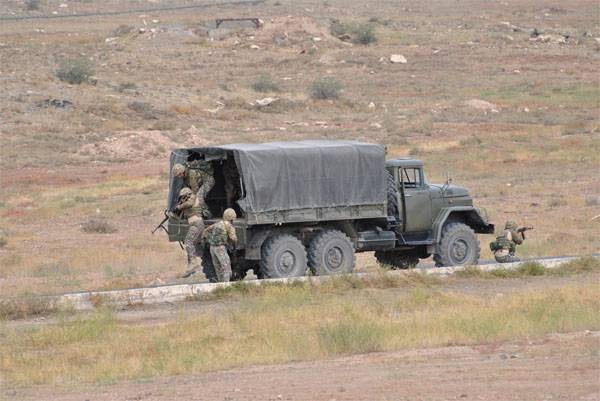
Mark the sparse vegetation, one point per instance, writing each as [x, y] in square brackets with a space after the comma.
[3, 241]
[32, 5]
[98, 225]
[124, 86]
[75, 70]
[363, 34]
[326, 88]
[265, 83]
[24, 306]
[526, 269]
[283, 324]
[144, 109]
[123, 30]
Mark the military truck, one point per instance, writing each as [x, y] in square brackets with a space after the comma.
[309, 206]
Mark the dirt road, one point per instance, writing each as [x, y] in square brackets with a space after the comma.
[559, 367]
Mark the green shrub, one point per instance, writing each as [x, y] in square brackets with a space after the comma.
[325, 88]
[75, 71]
[98, 225]
[363, 34]
[32, 5]
[264, 83]
[532, 269]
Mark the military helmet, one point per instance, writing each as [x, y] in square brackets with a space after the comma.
[178, 170]
[511, 225]
[229, 214]
[185, 192]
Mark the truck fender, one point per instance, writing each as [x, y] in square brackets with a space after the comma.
[470, 215]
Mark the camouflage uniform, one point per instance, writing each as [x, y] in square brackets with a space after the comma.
[505, 245]
[199, 177]
[218, 236]
[190, 210]
[201, 180]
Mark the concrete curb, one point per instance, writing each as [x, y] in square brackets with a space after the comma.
[182, 292]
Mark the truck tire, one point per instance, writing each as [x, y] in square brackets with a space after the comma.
[208, 268]
[396, 260]
[283, 256]
[458, 246]
[392, 196]
[331, 252]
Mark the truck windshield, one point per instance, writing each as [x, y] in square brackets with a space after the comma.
[412, 177]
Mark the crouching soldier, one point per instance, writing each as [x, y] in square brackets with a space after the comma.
[200, 179]
[189, 208]
[220, 236]
[505, 245]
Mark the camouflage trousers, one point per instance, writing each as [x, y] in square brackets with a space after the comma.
[207, 185]
[221, 262]
[508, 258]
[192, 240]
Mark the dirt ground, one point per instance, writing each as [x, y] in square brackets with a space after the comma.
[559, 367]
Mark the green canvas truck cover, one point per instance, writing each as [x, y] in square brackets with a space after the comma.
[304, 174]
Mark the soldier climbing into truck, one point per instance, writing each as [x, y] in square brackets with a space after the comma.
[309, 206]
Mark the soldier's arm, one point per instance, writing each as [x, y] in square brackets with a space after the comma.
[188, 203]
[517, 238]
[206, 180]
[231, 233]
[206, 232]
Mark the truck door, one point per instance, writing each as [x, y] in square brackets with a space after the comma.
[417, 200]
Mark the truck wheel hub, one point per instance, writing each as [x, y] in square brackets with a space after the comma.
[287, 261]
[460, 249]
[334, 257]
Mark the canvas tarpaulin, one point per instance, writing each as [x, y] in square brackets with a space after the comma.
[310, 174]
[305, 174]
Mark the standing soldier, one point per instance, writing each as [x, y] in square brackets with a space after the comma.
[189, 208]
[200, 179]
[219, 236]
[505, 245]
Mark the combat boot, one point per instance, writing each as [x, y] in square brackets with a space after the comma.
[193, 267]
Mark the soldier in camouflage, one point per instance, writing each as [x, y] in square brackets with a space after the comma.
[220, 236]
[200, 178]
[505, 245]
[189, 208]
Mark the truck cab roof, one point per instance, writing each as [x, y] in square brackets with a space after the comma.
[404, 162]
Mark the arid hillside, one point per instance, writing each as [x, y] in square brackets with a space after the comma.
[503, 96]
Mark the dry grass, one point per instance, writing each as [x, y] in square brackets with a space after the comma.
[526, 269]
[284, 324]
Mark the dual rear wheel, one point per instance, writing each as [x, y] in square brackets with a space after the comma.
[284, 255]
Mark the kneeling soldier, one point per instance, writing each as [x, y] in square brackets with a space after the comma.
[189, 208]
[219, 236]
[505, 245]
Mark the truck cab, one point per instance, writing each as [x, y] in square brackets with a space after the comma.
[419, 211]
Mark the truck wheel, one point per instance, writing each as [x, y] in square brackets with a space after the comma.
[396, 260]
[208, 268]
[331, 252]
[458, 246]
[283, 256]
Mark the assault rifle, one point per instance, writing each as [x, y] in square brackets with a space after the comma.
[523, 229]
[169, 213]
